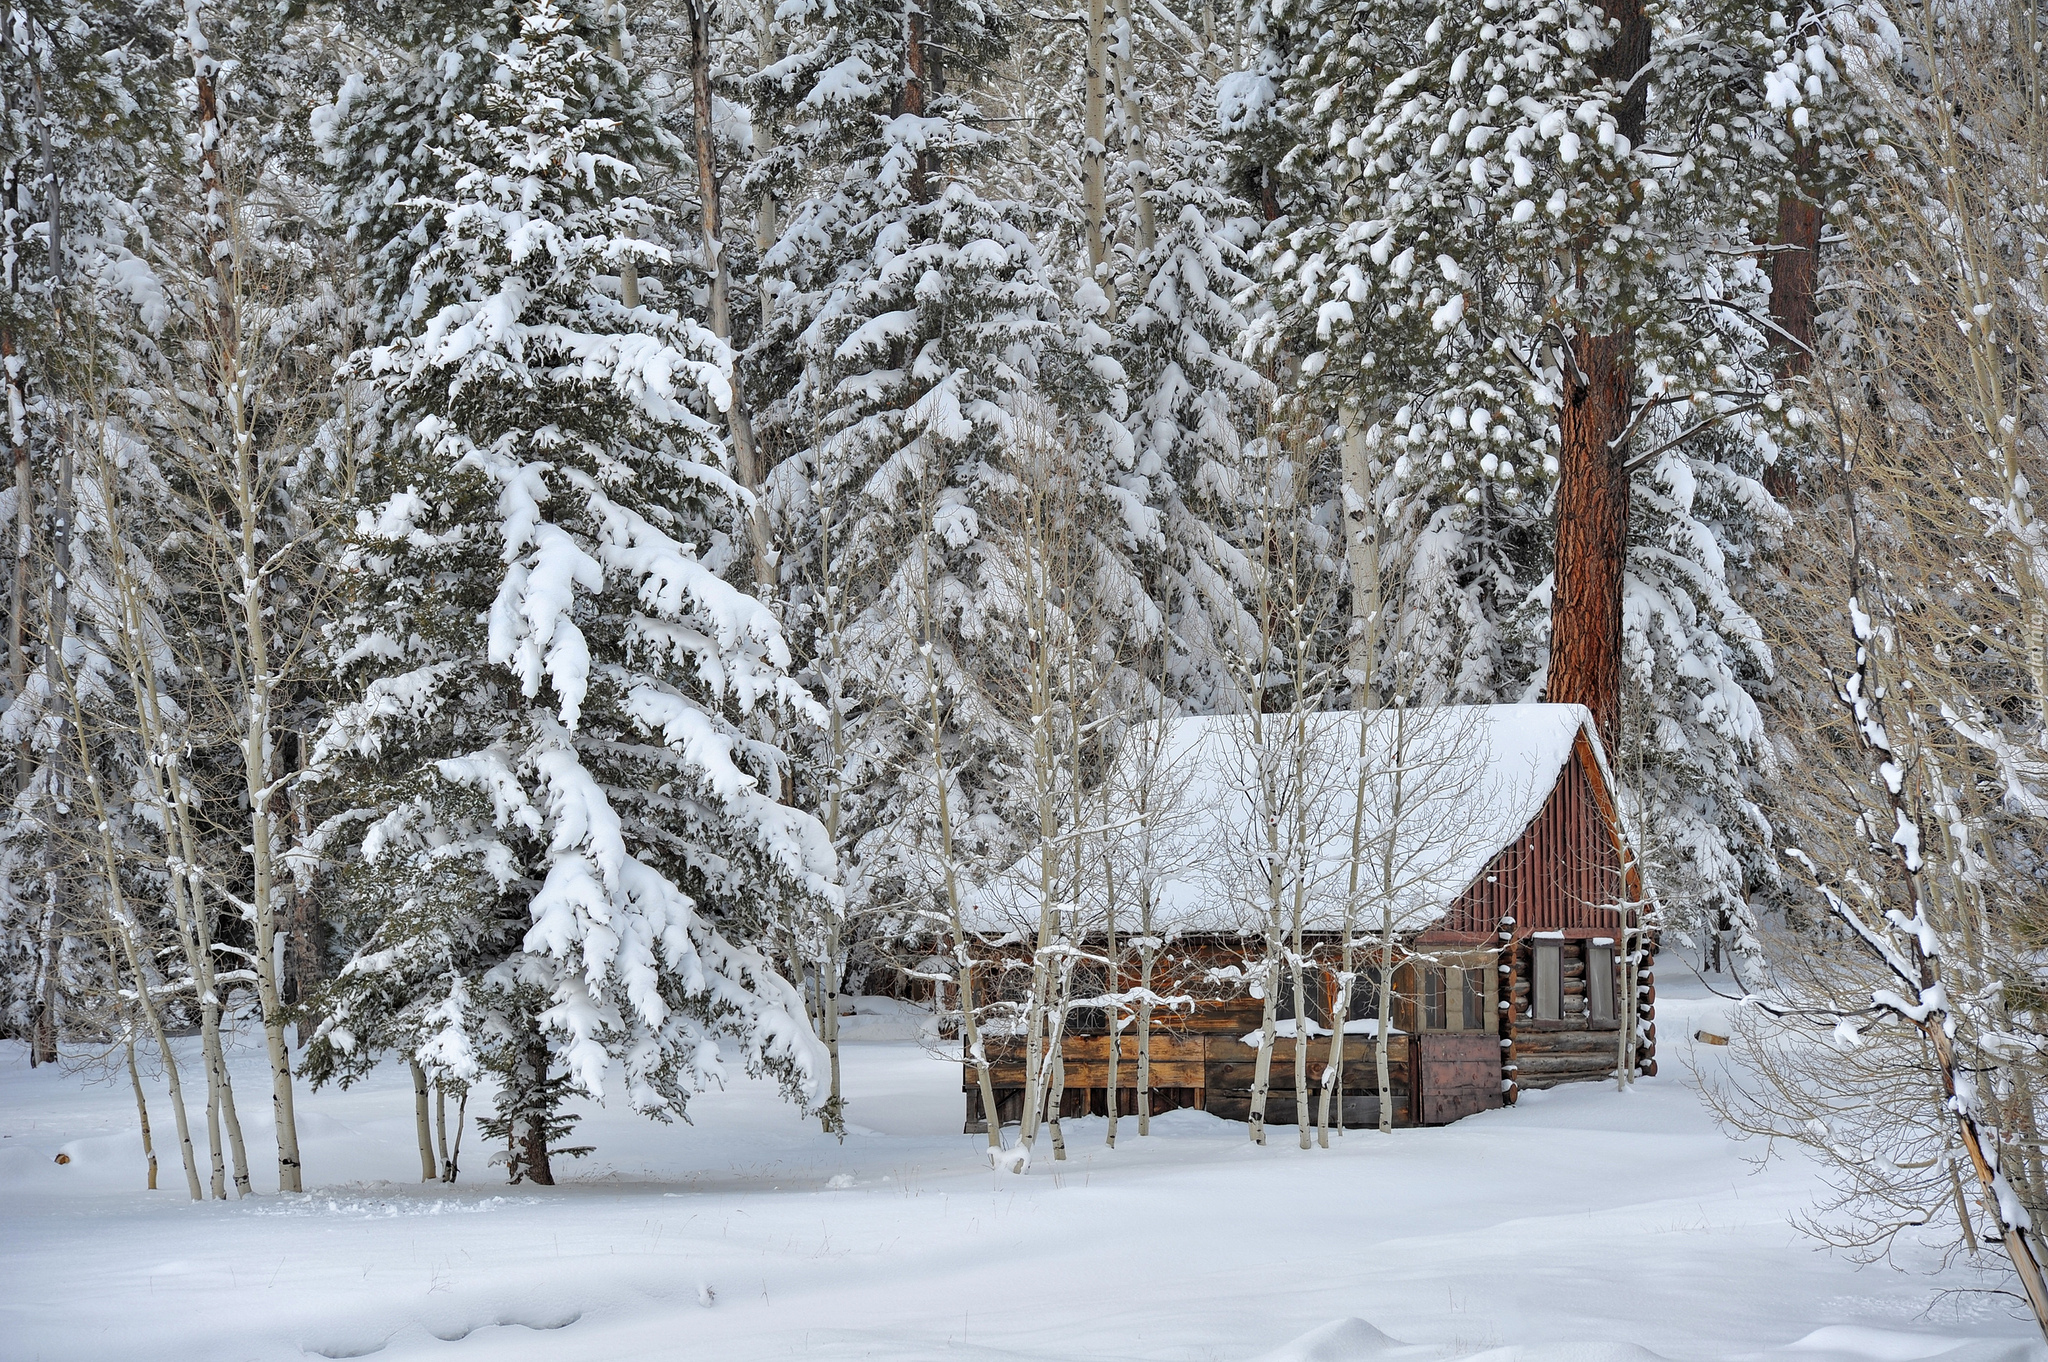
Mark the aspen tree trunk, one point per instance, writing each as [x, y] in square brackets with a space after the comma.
[1333, 1070]
[13, 366]
[1362, 555]
[1592, 505]
[256, 765]
[421, 1120]
[1270, 814]
[1137, 144]
[1149, 814]
[1147, 953]
[738, 418]
[43, 1040]
[1918, 968]
[13, 374]
[452, 1166]
[1624, 1011]
[224, 381]
[441, 1127]
[1381, 1073]
[1042, 1027]
[183, 880]
[1094, 149]
[218, 1182]
[1397, 810]
[834, 1116]
[1115, 1009]
[1298, 967]
[629, 268]
[1297, 959]
[1365, 578]
[963, 958]
[125, 930]
[306, 934]
[767, 213]
[1056, 1086]
[141, 1105]
[1262, 1068]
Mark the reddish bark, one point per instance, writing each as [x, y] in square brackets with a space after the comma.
[1593, 485]
[1795, 270]
[1592, 533]
[1794, 275]
[912, 100]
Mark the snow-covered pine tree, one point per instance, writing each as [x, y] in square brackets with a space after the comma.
[564, 845]
[924, 314]
[1182, 235]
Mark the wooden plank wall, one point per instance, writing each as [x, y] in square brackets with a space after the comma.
[1210, 1068]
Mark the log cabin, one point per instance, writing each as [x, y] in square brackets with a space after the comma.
[1476, 847]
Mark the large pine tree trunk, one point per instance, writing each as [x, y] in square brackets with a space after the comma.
[1795, 277]
[1593, 484]
[1592, 533]
[1795, 268]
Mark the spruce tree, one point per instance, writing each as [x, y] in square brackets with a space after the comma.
[564, 843]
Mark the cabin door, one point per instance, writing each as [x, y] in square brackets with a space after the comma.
[1456, 1074]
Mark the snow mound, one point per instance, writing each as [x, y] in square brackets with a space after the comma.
[1341, 1340]
[1862, 1343]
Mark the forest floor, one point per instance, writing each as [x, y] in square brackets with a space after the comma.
[1581, 1226]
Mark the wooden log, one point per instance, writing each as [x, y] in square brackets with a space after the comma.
[1357, 1050]
[1086, 1073]
[1586, 1066]
[1358, 1111]
[1357, 1077]
[1560, 1042]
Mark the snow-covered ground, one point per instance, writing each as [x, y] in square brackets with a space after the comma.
[1581, 1225]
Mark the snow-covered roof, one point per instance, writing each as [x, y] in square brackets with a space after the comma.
[1384, 811]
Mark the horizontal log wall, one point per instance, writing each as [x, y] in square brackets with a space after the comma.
[1574, 1048]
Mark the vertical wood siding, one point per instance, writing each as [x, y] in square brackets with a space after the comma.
[1562, 873]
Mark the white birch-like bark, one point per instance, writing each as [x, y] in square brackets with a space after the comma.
[141, 1102]
[422, 1120]
[1095, 148]
[975, 1052]
[1137, 145]
[126, 934]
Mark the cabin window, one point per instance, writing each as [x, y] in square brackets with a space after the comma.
[1600, 981]
[1472, 1000]
[1547, 990]
[1365, 995]
[1087, 982]
[1435, 1000]
[1312, 991]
